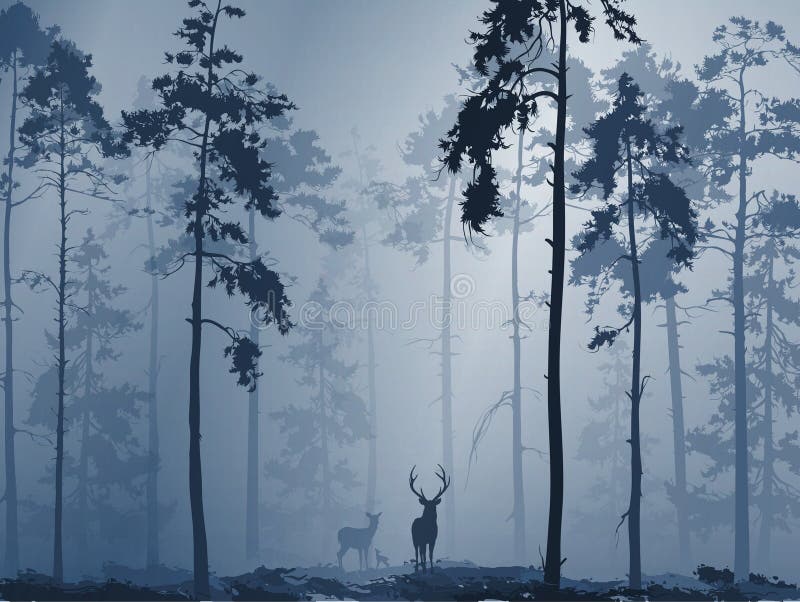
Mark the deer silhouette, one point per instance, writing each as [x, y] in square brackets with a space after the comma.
[380, 559]
[360, 539]
[424, 529]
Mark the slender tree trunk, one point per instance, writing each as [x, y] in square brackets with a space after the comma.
[553, 561]
[741, 568]
[12, 529]
[678, 435]
[518, 512]
[617, 467]
[323, 425]
[200, 547]
[252, 529]
[372, 463]
[447, 377]
[58, 556]
[152, 559]
[634, 509]
[83, 461]
[195, 467]
[82, 536]
[768, 478]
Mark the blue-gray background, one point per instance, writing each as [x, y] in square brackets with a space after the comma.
[377, 66]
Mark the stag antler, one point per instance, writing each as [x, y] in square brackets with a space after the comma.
[445, 482]
[411, 479]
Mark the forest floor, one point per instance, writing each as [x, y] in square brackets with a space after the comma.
[448, 581]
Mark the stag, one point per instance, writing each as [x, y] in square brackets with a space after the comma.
[360, 539]
[424, 529]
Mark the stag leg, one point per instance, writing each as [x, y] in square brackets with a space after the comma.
[430, 554]
[416, 558]
[339, 555]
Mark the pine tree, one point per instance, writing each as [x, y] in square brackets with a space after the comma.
[773, 372]
[216, 109]
[23, 45]
[65, 134]
[107, 464]
[507, 53]
[672, 98]
[626, 140]
[745, 46]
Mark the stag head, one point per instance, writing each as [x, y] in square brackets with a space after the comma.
[434, 501]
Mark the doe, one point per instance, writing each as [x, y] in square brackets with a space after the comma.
[360, 539]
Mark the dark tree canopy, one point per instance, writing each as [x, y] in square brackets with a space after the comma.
[507, 53]
[61, 98]
[209, 87]
[625, 134]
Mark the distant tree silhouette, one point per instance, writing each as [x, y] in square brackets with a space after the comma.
[506, 53]
[108, 463]
[303, 174]
[424, 218]
[602, 439]
[519, 216]
[626, 140]
[370, 222]
[602, 444]
[776, 363]
[24, 45]
[159, 204]
[217, 110]
[314, 480]
[670, 97]
[756, 127]
[369, 286]
[522, 214]
[65, 133]
[773, 369]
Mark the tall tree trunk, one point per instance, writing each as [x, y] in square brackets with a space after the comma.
[447, 376]
[678, 435]
[252, 527]
[768, 478]
[634, 509]
[741, 566]
[199, 539]
[83, 461]
[58, 555]
[553, 561]
[619, 436]
[12, 529]
[195, 467]
[152, 559]
[518, 512]
[372, 463]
